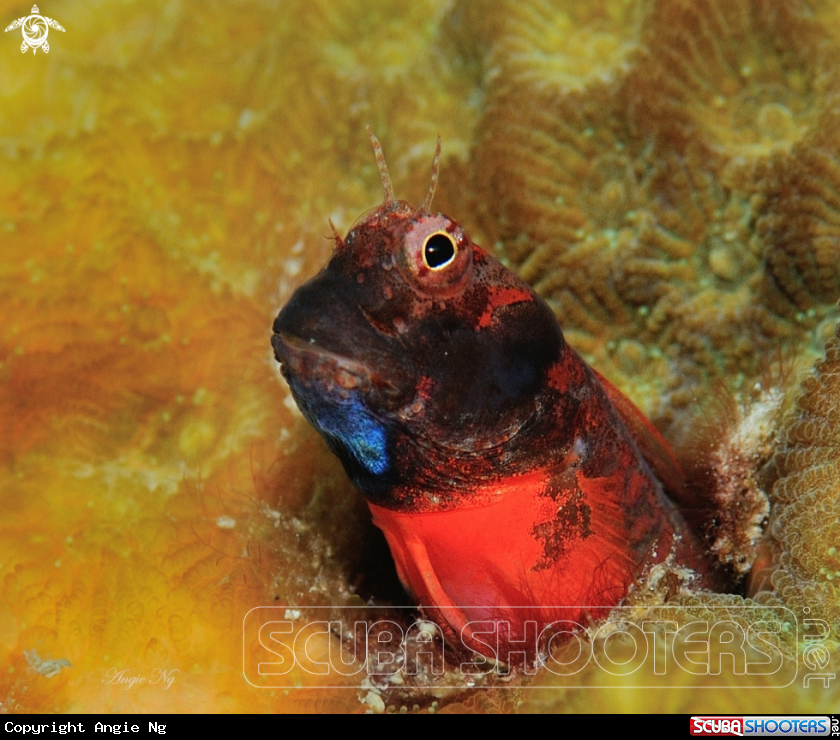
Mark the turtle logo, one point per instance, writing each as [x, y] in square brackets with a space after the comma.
[35, 30]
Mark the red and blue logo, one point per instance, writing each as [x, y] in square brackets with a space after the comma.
[759, 726]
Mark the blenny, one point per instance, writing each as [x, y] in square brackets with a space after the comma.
[510, 479]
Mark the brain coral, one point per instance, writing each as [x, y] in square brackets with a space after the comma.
[666, 175]
[665, 171]
[806, 525]
[168, 172]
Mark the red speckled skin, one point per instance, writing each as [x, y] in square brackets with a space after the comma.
[575, 532]
[502, 470]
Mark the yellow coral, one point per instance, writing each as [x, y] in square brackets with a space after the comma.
[164, 167]
[806, 525]
[631, 197]
[665, 172]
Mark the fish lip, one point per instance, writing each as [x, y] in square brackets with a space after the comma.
[306, 362]
[305, 358]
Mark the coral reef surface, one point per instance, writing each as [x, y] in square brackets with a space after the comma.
[665, 172]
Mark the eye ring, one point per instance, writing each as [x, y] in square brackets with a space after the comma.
[439, 250]
[435, 255]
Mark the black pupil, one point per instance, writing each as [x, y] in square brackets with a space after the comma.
[439, 250]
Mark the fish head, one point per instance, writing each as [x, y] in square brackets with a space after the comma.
[415, 348]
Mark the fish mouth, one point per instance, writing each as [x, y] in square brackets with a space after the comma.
[306, 363]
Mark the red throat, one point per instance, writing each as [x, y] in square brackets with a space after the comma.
[501, 562]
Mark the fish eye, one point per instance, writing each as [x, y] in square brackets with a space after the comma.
[435, 255]
[438, 250]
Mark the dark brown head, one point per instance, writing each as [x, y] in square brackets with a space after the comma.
[418, 356]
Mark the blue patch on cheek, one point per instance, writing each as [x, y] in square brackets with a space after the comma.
[359, 433]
